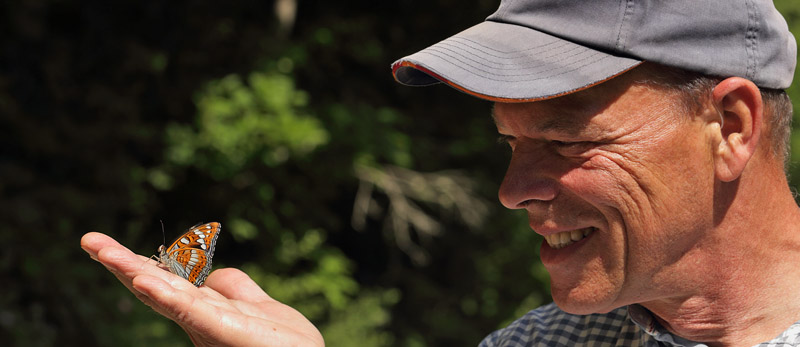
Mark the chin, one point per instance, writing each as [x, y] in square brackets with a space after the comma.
[583, 308]
[581, 300]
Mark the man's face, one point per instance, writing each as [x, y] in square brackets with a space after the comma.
[619, 180]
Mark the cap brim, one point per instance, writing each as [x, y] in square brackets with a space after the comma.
[510, 63]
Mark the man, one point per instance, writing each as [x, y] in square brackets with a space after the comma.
[648, 144]
[658, 186]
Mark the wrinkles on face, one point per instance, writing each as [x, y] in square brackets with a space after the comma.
[619, 159]
[643, 156]
[650, 170]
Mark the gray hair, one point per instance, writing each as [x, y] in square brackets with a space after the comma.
[695, 88]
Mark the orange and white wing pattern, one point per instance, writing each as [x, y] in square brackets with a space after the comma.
[189, 256]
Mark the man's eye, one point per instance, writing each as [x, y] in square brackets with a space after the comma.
[572, 147]
[564, 143]
[505, 139]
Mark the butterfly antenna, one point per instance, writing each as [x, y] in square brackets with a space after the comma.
[163, 237]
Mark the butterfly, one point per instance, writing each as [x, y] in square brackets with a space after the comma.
[189, 256]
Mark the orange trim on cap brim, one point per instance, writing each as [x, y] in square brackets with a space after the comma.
[404, 63]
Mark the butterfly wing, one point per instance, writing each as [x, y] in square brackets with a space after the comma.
[190, 255]
[191, 264]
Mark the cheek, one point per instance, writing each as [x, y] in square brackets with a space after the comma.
[603, 182]
[648, 205]
[624, 192]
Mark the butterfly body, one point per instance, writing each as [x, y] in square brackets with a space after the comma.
[189, 256]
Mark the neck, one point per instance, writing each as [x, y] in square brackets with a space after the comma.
[741, 283]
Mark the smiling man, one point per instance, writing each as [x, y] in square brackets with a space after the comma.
[648, 145]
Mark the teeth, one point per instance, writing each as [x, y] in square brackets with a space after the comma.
[566, 238]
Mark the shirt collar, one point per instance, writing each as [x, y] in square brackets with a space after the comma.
[643, 318]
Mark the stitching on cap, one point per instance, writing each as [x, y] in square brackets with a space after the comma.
[751, 40]
[459, 56]
[518, 67]
[443, 55]
[620, 44]
[478, 68]
[558, 44]
[456, 49]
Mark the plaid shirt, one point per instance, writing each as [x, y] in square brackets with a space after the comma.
[625, 326]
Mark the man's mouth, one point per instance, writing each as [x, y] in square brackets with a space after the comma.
[566, 238]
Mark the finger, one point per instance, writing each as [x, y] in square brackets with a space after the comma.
[210, 324]
[237, 285]
[111, 257]
[195, 314]
[126, 265]
[164, 297]
[93, 242]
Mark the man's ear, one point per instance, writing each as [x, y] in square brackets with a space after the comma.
[739, 103]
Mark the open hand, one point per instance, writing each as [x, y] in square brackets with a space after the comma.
[229, 309]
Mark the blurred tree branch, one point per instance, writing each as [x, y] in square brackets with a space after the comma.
[448, 190]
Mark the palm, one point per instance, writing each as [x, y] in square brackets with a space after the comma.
[230, 309]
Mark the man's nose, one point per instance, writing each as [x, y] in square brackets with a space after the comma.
[527, 181]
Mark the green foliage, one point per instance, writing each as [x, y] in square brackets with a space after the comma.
[238, 123]
[327, 293]
[360, 322]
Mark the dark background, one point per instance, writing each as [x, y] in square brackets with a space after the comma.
[369, 206]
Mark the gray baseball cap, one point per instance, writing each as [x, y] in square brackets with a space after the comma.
[537, 49]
